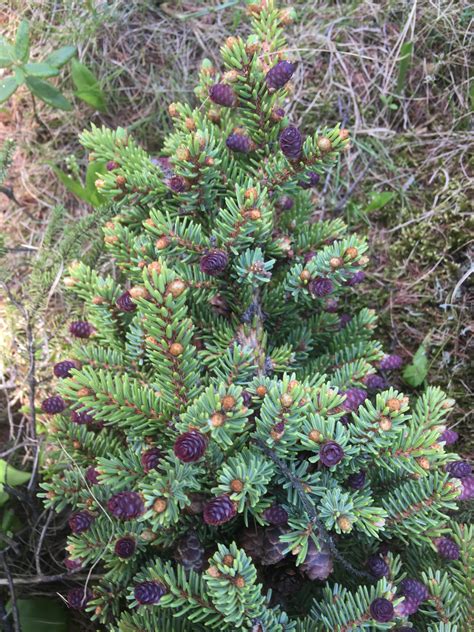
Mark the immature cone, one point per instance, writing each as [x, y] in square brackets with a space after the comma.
[78, 598]
[312, 179]
[391, 363]
[81, 329]
[357, 480]
[149, 593]
[381, 610]
[126, 505]
[320, 286]
[214, 262]
[239, 143]
[125, 303]
[447, 548]
[273, 549]
[190, 446]
[276, 515]
[413, 588]
[150, 459]
[467, 488]
[222, 94]
[458, 469]
[219, 510]
[331, 453]
[53, 405]
[356, 278]
[92, 476]
[280, 74]
[125, 547]
[63, 369]
[318, 563]
[177, 184]
[354, 398]
[82, 417]
[80, 521]
[449, 436]
[291, 142]
[377, 566]
[190, 552]
[375, 382]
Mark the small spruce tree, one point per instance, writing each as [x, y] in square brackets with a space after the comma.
[225, 437]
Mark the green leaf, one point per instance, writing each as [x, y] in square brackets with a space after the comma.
[39, 614]
[12, 477]
[94, 169]
[415, 373]
[48, 93]
[61, 56]
[74, 186]
[406, 53]
[41, 70]
[7, 53]
[20, 75]
[7, 88]
[22, 41]
[88, 88]
[379, 200]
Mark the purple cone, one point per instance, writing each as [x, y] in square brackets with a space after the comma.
[80, 521]
[214, 262]
[447, 548]
[344, 320]
[318, 563]
[357, 480]
[177, 184]
[125, 547]
[356, 278]
[81, 329]
[92, 475]
[408, 606]
[331, 454]
[286, 203]
[82, 417]
[458, 469]
[413, 588]
[150, 459]
[467, 488]
[391, 363]
[449, 436]
[63, 369]
[312, 180]
[280, 74]
[190, 446]
[381, 610]
[125, 302]
[354, 398]
[126, 505]
[77, 598]
[219, 510]
[247, 398]
[377, 566]
[239, 143]
[320, 286]
[375, 382]
[222, 94]
[276, 515]
[53, 405]
[72, 565]
[149, 593]
[291, 142]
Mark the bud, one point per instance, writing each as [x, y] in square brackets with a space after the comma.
[176, 287]
[324, 144]
[99, 183]
[138, 291]
[351, 252]
[217, 419]
[231, 76]
[154, 266]
[344, 134]
[173, 109]
[448, 403]
[228, 402]
[254, 214]
[345, 524]
[261, 390]
[120, 181]
[363, 261]
[214, 116]
[183, 153]
[176, 349]
[236, 485]
[315, 435]
[159, 506]
[228, 560]
[336, 262]
[231, 42]
[162, 242]
[385, 424]
[239, 582]
[190, 124]
[98, 300]
[423, 462]
[213, 571]
[69, 281]
[84, 392]
[305, 275]
[287, 16]
[111, 239]
[286, 400]
[251, 194]
[394, 404]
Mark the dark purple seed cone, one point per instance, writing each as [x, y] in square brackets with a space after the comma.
[407, 607]
[222, 94]
[356, 278]
[331, 454]
[72, 565]
[177, 184]
[78, 598]
[80, 521]
[458, 469]
[312, 179]
[149, 593]
[125, 303]
[280, 74]
[318, 563]
[63, 369]
[92, 475]
[413, 588]
[111, 165]
[291, 142]
[447, 548]
[219, 510]
[320, 286]
[214, 262]
[391, 362]
[357, 480]
[150, 459]
[81, 329]
[273, 549]
[239, 143]
[309, 255]
[354, 398]
[286, 203]
[190, 552]
[467, 488]
[331, 306]
[125, 547]
[381, 610]
[344, 320]
[246, 398]
[276, 515]
[126, 505]
[83, 417]
[53, 405]
[278, 114]
[190, 446]
[377, 566]
[375, 382]
[449, 436]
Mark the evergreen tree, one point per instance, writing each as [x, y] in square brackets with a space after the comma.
[223, 434]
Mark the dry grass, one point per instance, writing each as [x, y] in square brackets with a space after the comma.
[415, 142]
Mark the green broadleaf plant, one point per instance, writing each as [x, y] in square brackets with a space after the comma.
[415, 373]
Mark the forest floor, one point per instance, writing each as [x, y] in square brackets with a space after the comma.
[395, 73]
